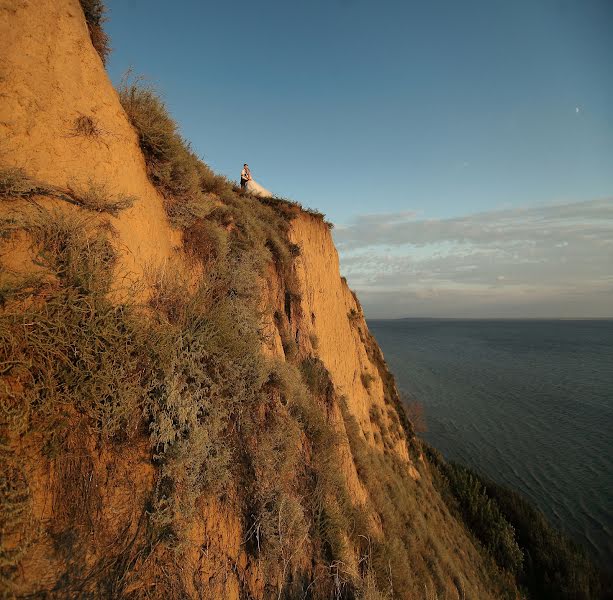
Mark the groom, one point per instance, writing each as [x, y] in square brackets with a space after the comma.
[245, 175]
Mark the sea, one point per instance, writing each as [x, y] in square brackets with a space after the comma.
[527, 403]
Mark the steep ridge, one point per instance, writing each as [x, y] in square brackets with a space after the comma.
[329, 318]
[234, 434]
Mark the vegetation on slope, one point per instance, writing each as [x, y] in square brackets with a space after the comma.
[186, 370]
[544, 562]
[83, 377]
[95, 11]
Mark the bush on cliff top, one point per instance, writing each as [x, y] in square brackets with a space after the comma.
[186, 182]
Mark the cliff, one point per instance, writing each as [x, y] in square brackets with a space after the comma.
[192, 403]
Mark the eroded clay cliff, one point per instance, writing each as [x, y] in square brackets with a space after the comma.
[92, 509]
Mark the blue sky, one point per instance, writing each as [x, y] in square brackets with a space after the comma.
[407, 112]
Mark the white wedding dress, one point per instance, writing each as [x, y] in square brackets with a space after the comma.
[253, 187]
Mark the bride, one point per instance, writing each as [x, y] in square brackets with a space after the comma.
[251, 186]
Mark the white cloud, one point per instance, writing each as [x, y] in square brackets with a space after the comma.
[556, 256]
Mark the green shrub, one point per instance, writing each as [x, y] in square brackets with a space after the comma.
[512, 529]
[172, 166]
[554, 566]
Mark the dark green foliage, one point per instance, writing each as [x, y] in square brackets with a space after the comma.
[484, 518]
[554, 567]
[543, 561]
[95, 11]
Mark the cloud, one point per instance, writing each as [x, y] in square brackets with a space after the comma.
[559, 256]
[566, 221]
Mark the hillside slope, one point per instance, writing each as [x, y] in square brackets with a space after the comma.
[226, 426]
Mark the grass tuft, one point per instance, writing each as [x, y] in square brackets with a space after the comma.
[15, 183]
[86, 126]
[96, 197]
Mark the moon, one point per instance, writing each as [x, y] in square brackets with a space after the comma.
[577, 109]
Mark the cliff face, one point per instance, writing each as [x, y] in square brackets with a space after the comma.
[238, 436]
[53, 85]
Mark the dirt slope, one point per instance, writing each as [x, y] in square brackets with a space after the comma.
[50, 75]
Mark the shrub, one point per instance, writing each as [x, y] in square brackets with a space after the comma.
[554, 566]
[183, 179]
[76, 343]
[314, 341]
[17, 529]
[205, 241]
[75, 249]
[96, 197]
[316, 376]
[172, 166]
[94, 11]
[367, 379]
[481, 514]
[15, 183]
[353, 315]
[86, 126]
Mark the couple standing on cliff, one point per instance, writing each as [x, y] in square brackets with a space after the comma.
[250, 185]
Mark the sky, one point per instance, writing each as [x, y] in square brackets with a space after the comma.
[463, 150]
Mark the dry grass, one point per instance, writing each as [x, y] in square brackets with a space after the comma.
[73, 349]
[316, 377]
[185, 181]
[219, 417]
[95, 11]
[15, 183]
[180, 176]
[17, 526]
[96, 197]
[367, 379]
[206, 241]
[86, 126]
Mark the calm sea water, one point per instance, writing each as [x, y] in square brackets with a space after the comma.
[527, 403]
